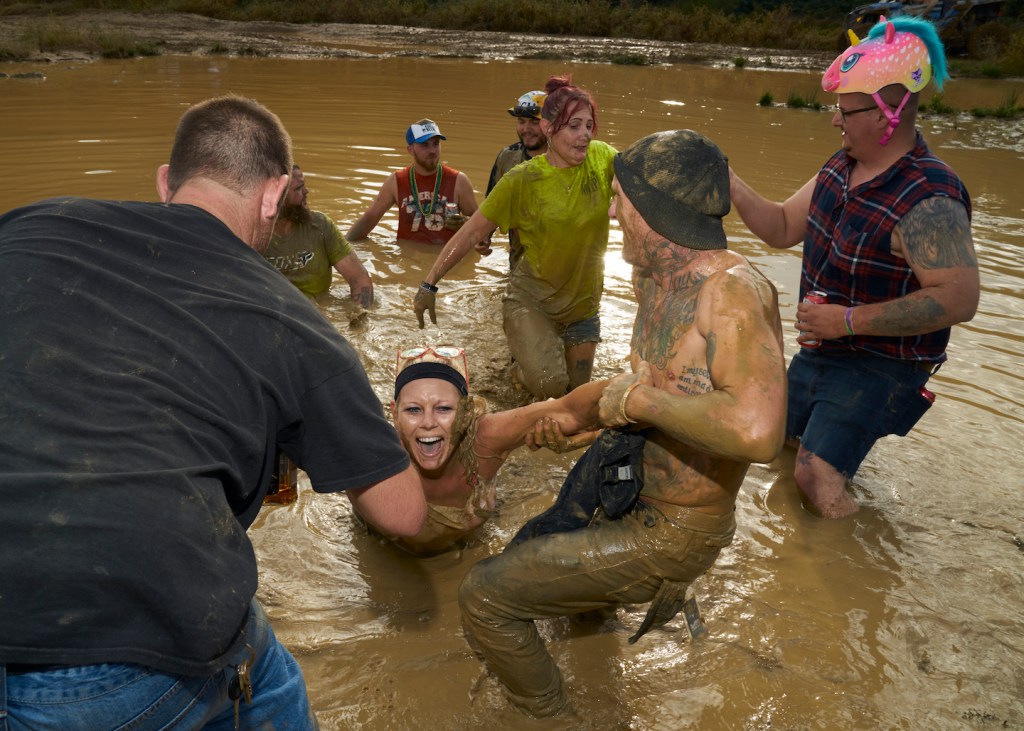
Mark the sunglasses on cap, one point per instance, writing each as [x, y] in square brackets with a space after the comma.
[528, 105]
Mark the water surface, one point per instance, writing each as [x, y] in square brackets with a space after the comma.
[906, 616]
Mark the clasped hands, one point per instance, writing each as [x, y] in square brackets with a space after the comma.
[612, 412]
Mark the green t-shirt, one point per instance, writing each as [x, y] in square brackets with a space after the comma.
[561, 215]
[308, 253]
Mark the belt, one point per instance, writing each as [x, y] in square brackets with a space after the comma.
[17, 668]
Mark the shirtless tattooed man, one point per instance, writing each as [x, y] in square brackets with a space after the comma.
[707, 396]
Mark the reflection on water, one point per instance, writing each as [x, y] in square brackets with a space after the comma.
[908, 615]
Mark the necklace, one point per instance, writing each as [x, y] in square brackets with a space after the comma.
[416, 194]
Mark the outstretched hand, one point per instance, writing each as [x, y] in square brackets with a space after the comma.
[424, 301]
[612, 409]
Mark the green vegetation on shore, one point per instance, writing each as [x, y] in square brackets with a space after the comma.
[796, 25]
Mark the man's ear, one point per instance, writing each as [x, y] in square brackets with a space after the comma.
[274, 192]
[162, 188]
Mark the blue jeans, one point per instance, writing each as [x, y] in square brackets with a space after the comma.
[124, 696]
[839, 406]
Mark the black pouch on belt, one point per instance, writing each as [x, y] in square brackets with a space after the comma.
[609, 475]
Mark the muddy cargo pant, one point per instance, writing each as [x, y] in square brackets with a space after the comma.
[605, 564]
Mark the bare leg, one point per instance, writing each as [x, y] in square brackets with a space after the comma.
[823, 488]
[579, 363]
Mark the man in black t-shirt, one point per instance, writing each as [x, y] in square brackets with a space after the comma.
[153, 363]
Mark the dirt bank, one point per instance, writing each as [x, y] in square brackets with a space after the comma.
[178, 33]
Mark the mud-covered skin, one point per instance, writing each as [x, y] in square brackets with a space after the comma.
[458, 447]
[708, 327]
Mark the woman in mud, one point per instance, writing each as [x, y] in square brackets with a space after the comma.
[558, 203]
[457, 447]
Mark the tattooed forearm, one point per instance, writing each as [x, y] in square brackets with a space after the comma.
[936, 234]
[909, 316]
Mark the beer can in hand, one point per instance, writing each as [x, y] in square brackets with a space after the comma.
[818, 298]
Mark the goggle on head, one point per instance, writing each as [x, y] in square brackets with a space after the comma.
[529, 105]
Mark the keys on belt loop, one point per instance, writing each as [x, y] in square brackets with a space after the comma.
[240, 686]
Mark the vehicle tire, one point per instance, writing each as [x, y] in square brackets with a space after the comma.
[988, 41]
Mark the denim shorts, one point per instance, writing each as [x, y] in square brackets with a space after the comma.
[538, 345]
[582, 331]
[125, 696]
[839, 405]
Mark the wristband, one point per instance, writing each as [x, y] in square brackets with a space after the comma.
[428, 287]
[625, 397]
[848, 318]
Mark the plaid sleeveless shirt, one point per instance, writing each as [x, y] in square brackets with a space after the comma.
[847, 251]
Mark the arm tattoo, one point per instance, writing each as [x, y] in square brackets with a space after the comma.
[937, 235]
[694, 382]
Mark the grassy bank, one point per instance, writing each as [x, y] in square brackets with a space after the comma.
[686, 21]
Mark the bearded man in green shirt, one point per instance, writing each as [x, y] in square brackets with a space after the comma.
[306, 245]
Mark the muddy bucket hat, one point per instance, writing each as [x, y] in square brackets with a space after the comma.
[679, 182]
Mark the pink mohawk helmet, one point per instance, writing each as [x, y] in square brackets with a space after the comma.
[867, 66]
[901, 51]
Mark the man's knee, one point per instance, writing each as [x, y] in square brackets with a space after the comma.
[822, 486]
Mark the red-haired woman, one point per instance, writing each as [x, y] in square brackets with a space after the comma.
[558, 202]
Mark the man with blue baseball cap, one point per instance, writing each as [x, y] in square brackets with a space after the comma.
[433, 199]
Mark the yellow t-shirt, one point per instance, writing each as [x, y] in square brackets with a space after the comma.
[561, 215]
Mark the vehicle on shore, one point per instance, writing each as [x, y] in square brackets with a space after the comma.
[969, 27]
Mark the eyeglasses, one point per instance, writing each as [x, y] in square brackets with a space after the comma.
[844, 113]
[447, 354]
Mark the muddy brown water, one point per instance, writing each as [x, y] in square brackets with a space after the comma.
[909, 615]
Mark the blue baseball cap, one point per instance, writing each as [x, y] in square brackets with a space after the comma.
[422, 131]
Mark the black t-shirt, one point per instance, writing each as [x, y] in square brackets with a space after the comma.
[150, 363]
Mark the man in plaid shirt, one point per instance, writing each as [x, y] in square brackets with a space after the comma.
[887, 238]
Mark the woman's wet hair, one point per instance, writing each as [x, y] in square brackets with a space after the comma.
[231, 140]
[563, 100]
